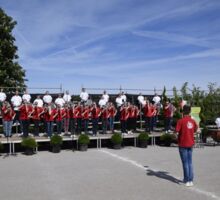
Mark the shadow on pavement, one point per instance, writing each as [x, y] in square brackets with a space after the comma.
[163, 175]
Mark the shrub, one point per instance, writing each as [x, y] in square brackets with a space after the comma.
[83, 139]
[29, 143]
[56, 140]
[116, 138]
[167, 139]
[143, 137]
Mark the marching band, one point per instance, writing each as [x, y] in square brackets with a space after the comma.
[75, 117]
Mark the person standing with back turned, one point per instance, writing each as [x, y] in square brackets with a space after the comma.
[186, 127]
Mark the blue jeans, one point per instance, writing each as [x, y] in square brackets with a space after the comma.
[59, 127]
[111, 123]
[149, 124]
[7, 128]
[104, 125]
[25, 127]
[186, 158]
[49, 128]
[95, 122]
[168, 123]
[123, 126]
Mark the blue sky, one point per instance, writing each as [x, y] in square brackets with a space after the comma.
[110, 43]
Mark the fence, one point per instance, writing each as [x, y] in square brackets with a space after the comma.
[34, 89]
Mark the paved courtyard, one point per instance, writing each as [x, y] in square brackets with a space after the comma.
[107, 174]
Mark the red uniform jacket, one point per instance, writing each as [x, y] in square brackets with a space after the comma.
[8, 114]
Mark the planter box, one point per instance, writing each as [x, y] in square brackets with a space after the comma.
[143, 144]
[83, 147]
[167, 144]
[116, 146]
[29, 151]
[56, 149]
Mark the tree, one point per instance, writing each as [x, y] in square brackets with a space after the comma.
[184, 92]
[164, 96]
[11, 73]
[177, 115]
[176, 98]
[197, 96]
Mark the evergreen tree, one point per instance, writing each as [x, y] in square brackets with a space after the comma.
[164, 96]
[197, 96]
[176, 98]
[184, 92]
[11, 73]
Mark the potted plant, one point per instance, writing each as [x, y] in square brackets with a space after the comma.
[56, 141]
[29, 144]
[83, 142]
[116, 140]
[167, 139]
[143, 140]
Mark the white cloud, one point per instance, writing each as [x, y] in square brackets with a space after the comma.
[184, 39]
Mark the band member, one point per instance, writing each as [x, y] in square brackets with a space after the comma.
[84, 96]
[39, 101]
[50, 113]
[156, 99]
[123, 119]
[124, 98]
[36, 116]
[60, 113]
[95, 113]
[3, 108]
[85, 117]
[140, 99]
[149, 112]
[79, 109]
[67, 97]
[105, 116]
[47, 98]
[155, 112]
[66, 119]
[129, 120]
[105, 96]
[16, 102]
[134, 116]
[169, 110]
[102, 102]
[112, 113]
[2, 96]
[8, 117]
[24, 117]
[26, 96]
[119, 101]
[59, 100]
[73, 119]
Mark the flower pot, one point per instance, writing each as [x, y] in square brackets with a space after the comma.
[167, 143]
[143, 144]
[29, 151]
[56, 149]
[83, 147]
[116, 146]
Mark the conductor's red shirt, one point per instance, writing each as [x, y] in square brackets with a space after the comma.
[186, 127]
